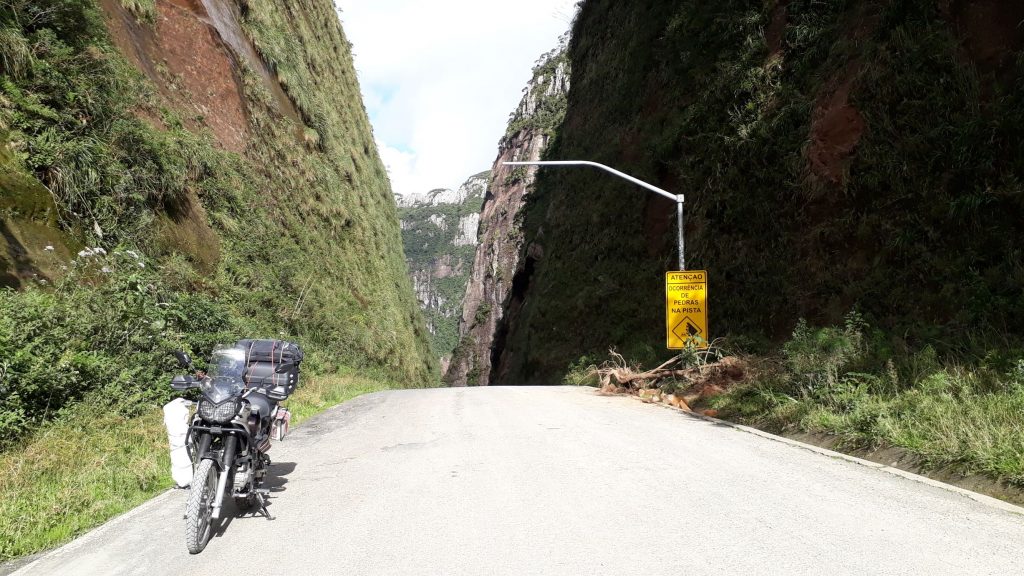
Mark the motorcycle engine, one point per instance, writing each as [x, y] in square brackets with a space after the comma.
[243, 478]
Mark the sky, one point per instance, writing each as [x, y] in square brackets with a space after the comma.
[440, 78]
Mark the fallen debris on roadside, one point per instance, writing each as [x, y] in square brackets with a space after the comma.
[683, 388]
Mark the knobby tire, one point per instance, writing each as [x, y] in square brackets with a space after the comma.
[199, 513]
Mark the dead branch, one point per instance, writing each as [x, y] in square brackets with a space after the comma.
[617, 371]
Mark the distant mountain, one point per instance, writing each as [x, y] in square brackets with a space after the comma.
[439, 233]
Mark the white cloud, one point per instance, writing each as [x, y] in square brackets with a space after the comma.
[400, 169]
[440, 78]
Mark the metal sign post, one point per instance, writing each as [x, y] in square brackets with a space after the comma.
[682, 245]
[686, 319]
[677, 198]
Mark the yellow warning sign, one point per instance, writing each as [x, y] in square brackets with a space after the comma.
[686, 309]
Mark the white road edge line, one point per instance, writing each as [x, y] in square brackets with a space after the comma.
[97, 532]
[980, 498]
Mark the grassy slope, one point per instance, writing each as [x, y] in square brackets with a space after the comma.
[918, 232]
[949, 415]
[358, 299]
[295, 237]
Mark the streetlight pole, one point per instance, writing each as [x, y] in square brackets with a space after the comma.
[677, 198]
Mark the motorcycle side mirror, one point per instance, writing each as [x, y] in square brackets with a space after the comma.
[285, 367]
[184, 360]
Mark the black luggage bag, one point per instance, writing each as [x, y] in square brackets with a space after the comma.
[264, 360]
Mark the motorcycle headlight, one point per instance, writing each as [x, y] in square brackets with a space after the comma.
[219, 413]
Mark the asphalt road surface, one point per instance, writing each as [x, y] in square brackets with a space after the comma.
[529, 481]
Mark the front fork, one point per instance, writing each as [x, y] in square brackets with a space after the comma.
[226, 468]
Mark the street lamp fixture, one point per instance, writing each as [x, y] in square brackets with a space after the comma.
[677, 198]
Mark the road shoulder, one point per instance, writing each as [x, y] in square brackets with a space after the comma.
[976, 496]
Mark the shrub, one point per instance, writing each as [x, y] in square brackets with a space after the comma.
[817, 357]
[582, 372]
[112, 341]
[144, 10]
[15, 54]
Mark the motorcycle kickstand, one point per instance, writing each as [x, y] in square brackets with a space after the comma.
[261, 494]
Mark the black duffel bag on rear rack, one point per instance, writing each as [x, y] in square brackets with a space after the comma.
[272, 364]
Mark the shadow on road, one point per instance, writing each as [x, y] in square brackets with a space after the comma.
[275, 481]
[277, 476]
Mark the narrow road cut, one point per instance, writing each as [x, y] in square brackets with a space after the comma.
[528, 481]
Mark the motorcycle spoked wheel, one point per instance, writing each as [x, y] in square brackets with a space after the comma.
[199, 513]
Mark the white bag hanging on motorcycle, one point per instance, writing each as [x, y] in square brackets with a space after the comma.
[176, 420]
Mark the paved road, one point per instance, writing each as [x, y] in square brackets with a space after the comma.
[529, 481]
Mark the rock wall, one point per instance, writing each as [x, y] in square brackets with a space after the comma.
[835, 156]
[497, 256]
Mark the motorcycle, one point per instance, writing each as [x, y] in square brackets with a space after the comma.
[231, 431]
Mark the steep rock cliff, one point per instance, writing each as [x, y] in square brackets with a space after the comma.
[439, 232]
[835, 156]
[182, 172]
[531, 127]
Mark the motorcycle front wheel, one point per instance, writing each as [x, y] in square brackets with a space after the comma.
[199, 513]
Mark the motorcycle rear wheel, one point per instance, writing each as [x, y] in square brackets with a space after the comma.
[199, 513]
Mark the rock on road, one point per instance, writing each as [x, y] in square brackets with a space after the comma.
[527, 481]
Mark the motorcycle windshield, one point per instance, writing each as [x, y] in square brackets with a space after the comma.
[224, 375]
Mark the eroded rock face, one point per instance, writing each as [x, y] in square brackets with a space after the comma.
[500, 241]
[439, 231]
[189, 57]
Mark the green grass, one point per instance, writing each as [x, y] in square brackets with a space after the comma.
[88, 466]
[973, 431]
[322, 392]
[93, 463]
[831, 380]
[144, 10]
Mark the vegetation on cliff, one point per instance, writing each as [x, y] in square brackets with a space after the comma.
[544, 105]
[174, 178]
[835, 156]
[292, 233]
